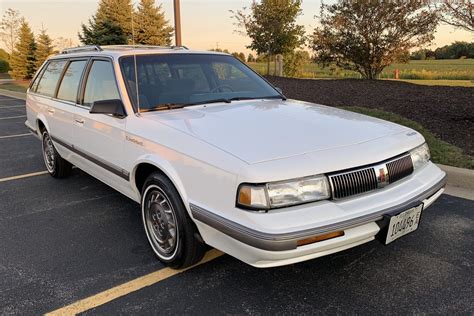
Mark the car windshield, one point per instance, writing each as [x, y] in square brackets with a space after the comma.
[167, 81]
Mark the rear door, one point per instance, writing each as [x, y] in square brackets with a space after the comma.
[99, 138]
[66, 98]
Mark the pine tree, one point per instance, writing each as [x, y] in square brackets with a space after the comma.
[44, 48]
[23, 60]
[110, 16]
[151, 26]
[103, 32]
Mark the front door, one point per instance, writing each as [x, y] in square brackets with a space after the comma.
[98, 138]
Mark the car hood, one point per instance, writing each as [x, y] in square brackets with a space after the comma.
[263, 130]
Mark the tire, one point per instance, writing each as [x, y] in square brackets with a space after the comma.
[170, 231]
[55, 164]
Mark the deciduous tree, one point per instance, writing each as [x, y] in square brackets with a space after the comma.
[151, 27]
[272, 27]
[457, 13]
[367, 36]
[294, 62]
[10, 28]
[22, 60]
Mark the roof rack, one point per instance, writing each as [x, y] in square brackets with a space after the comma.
[112, 47]
[80, 49]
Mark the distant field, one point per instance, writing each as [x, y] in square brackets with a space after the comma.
[455, 69]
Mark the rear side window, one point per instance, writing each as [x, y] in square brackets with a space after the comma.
[71, 79]
[49, 80]
[100, 83]
[37, 79]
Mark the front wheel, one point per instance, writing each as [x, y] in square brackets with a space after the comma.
[170, 231]
[56, 165]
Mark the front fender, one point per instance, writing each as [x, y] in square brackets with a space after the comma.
[165, 167]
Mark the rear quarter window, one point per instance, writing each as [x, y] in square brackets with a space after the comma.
[70, 83]
[49, 80]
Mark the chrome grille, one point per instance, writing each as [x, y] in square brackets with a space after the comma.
[345, 184]
[400, 168]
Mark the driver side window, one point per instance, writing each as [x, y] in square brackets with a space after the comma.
[100, 83]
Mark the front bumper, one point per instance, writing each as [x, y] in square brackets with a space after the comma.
[262, 248]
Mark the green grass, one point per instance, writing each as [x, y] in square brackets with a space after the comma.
[455, 69]
[18, 86]
[441, 151]
[442, 82]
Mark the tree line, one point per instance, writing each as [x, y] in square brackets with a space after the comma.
[110, 25]
[457, 50]
[27, 52]
[358, 35]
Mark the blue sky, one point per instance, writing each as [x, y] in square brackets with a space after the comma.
[205, 22]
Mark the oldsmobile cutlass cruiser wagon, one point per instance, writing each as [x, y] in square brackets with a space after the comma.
[216, 155]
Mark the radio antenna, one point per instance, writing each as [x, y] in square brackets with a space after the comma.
[135, 61]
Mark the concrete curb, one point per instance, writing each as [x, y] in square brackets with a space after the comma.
[13, 94]
[460, 181]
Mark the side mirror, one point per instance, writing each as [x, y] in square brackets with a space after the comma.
[111, 107]
[279, 90]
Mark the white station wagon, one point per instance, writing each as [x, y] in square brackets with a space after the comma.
[216, 155]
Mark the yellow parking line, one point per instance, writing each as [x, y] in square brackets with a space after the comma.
[18, 135]
[28, 175]
[12, 117]
[127, 288]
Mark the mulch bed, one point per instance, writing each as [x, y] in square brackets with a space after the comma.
[448, 112]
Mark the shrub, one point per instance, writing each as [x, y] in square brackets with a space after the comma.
[4, 66]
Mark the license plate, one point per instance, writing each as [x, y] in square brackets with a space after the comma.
[403, 223]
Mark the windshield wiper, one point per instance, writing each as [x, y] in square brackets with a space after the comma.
[221, 100]
[165, 106]
[258, 98]
[173, 106]
[229, 100]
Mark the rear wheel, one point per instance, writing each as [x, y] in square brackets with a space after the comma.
[170, 231]
[56, 165]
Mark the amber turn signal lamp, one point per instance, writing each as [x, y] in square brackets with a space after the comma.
[245, 196]
[315, 239]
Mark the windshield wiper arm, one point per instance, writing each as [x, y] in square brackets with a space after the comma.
[165, 106]
[222, 100]
[258, 98]
[229, 100]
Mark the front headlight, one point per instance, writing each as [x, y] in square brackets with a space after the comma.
[420, 156]
[283, 193]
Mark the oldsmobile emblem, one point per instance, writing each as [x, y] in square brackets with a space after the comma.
[382, 175]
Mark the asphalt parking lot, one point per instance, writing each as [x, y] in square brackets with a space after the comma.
[62, 241]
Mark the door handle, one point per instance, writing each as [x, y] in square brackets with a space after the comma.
[79, 121]
[50, 110]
